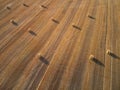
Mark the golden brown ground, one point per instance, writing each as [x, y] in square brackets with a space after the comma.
[47, 44]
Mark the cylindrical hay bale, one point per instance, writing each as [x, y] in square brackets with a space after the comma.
[39, 54]
[29, 29]
[108, 52]
[91, 57]
[11, 21]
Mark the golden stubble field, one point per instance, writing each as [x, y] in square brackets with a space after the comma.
[59, 44]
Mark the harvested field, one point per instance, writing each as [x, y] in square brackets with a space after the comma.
[59, 44]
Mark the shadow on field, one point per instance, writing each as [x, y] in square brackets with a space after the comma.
[114, 56]
[41, 58]
[33, 33]
[95, 60]
[25, 5]
[55, 21]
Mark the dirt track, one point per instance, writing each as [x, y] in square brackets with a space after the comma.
[46, 44]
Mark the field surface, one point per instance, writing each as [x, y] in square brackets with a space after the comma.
[59, 44]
